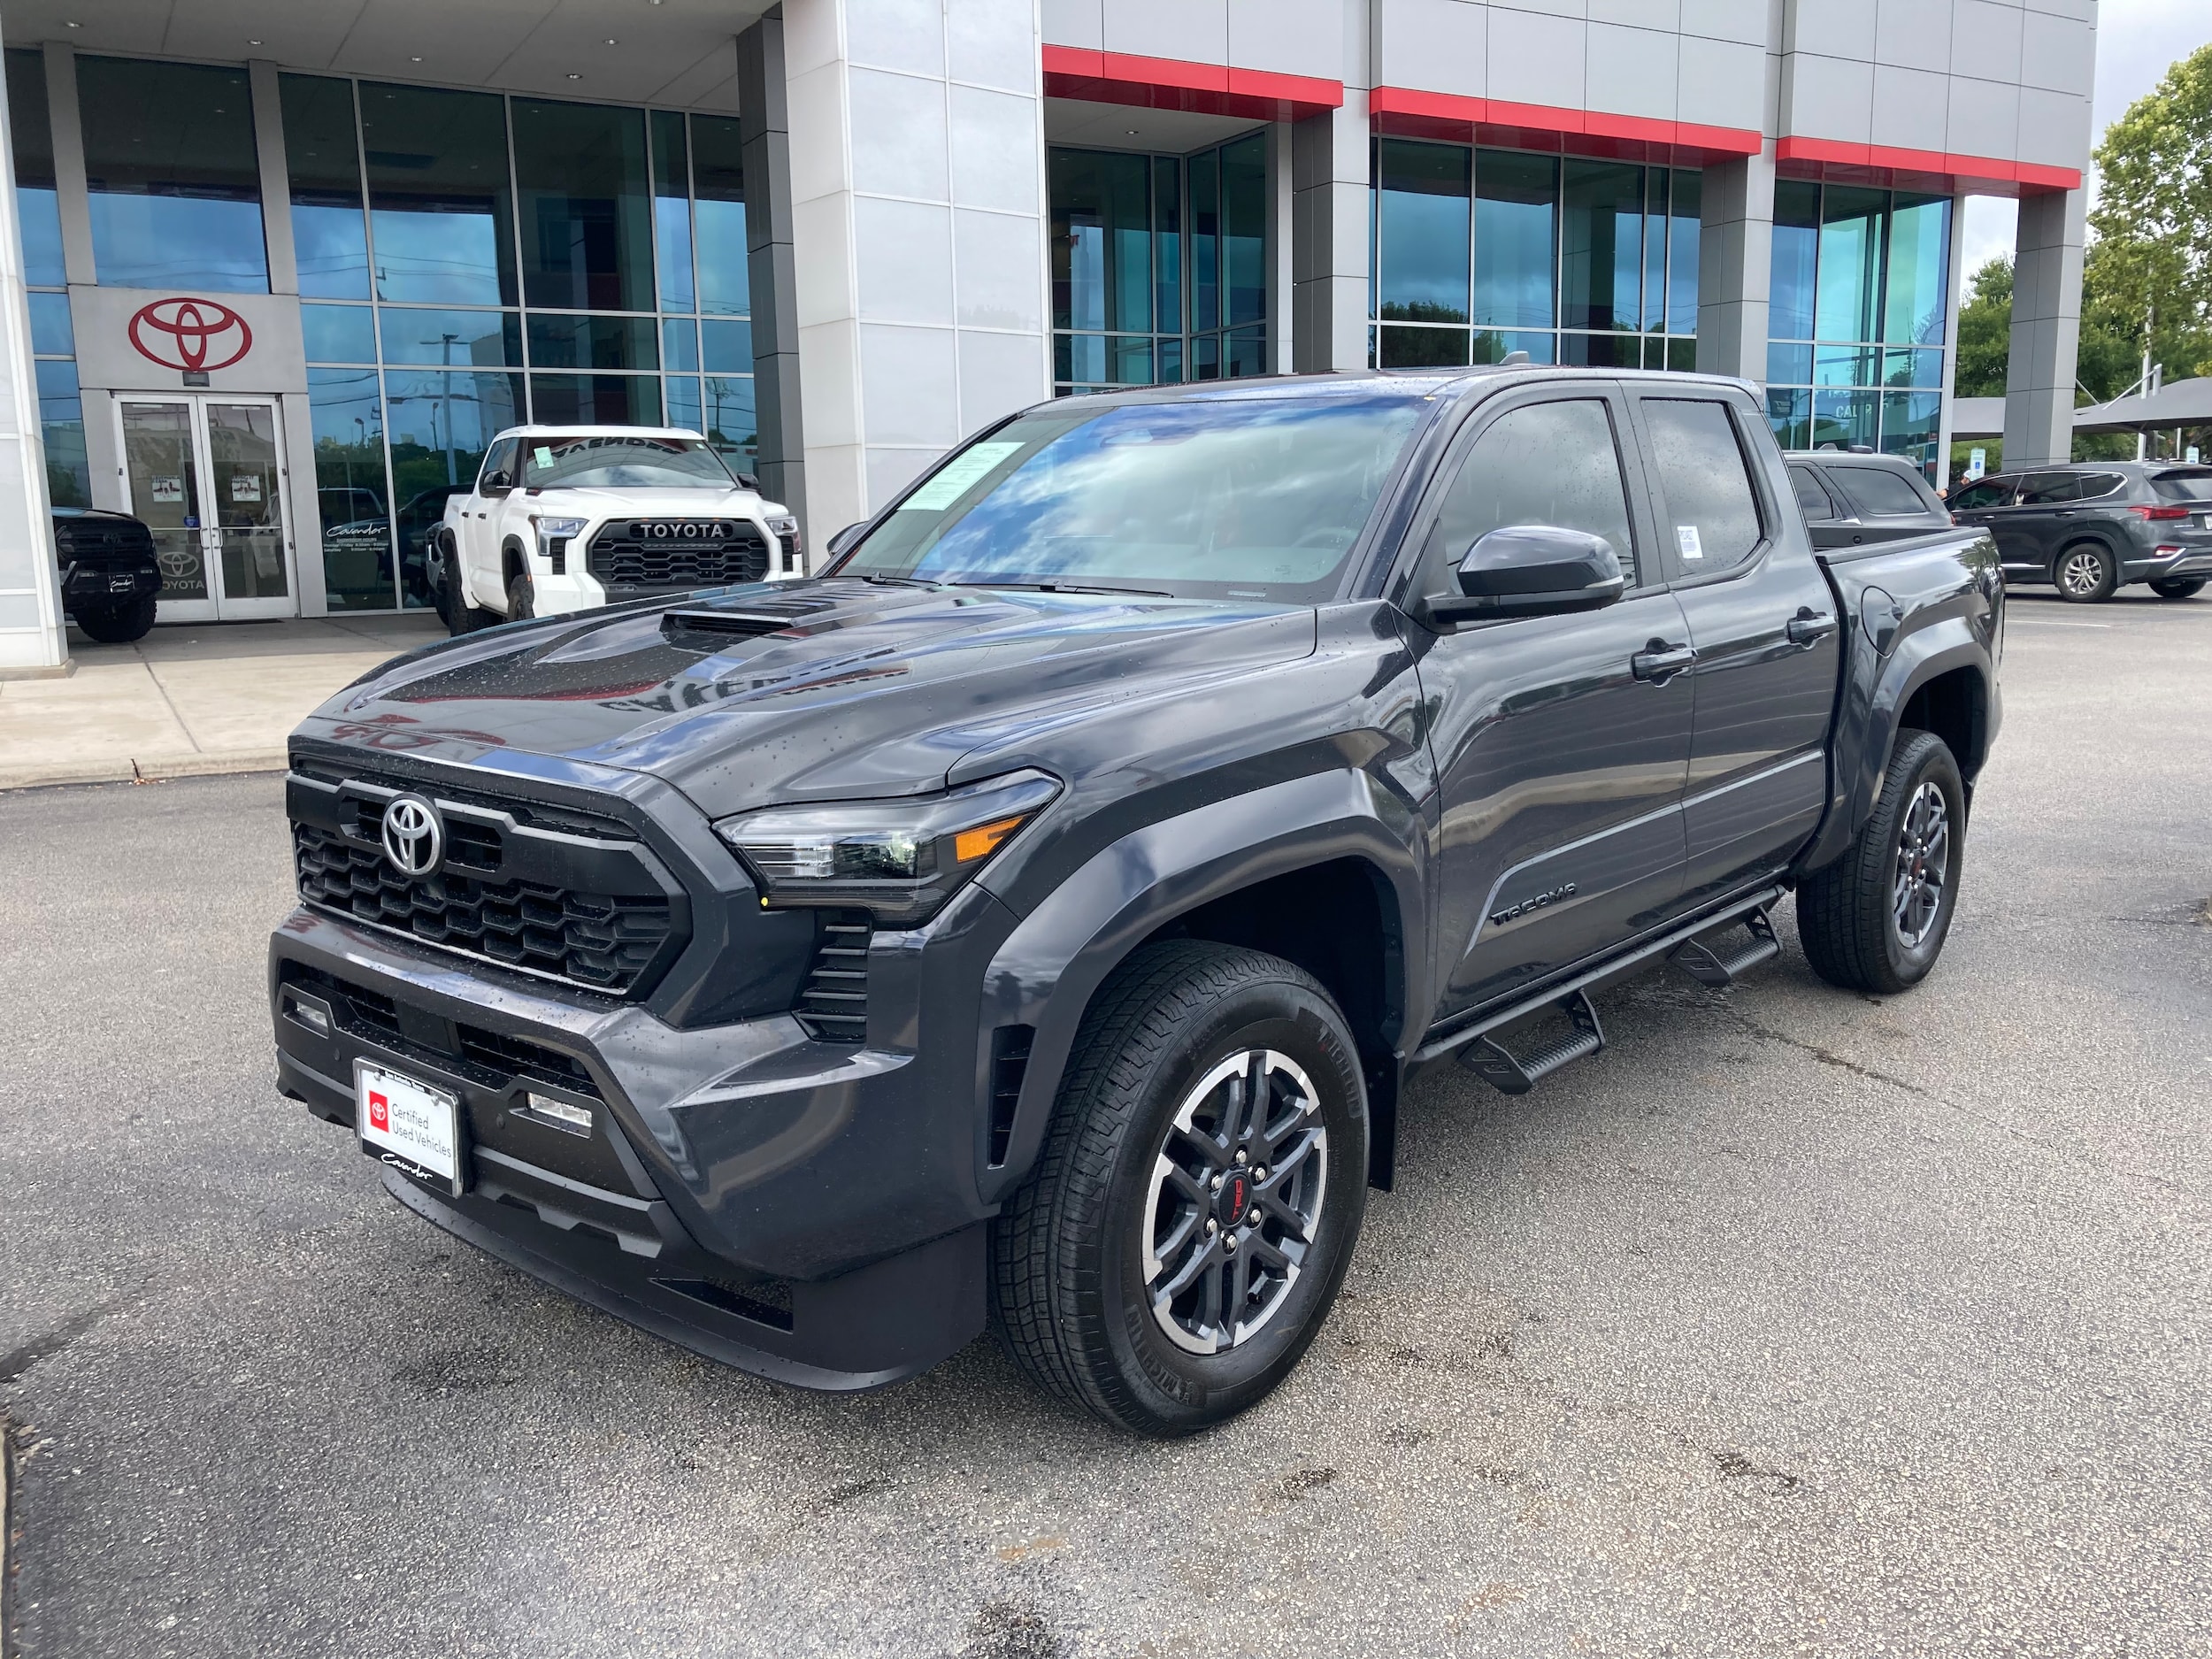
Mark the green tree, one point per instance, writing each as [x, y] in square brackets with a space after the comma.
[2153, 221]
[1986, 331]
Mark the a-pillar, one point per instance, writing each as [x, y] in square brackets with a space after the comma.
[1329, 160]
[1735, 265]
[917, 213]
[2046, 330]
[32, 638]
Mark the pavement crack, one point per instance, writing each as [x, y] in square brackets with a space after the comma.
[17, 1361]
[1827, 1056]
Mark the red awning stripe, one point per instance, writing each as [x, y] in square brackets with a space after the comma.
[1942, 169]
[1172, 83]
[1501, 120]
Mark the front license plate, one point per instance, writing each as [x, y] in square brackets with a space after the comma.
[410, 1125]
[121, 584]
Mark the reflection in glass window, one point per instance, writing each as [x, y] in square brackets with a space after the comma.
[173, 177]
[593, 342]
[1421, 210]
[440, 210]
[680, 344]
[682, 394]
[587, 222]
[1847, 305]
[1204, 194]
[672, 211]
[346, 417]
[1102, 241]
[61, 423]
[31, 131]
[52, 334]
[595, 400]
[451, 339]
[727, 346]
[442, 424]
[1517, 219]
[338, 334]
[1919, 265]
[1167, 259]
[1683, 223]
[731, 426]
[1602, 246]
[717, 177]
[1244, 238]
[330, 238]
[1843, 418]
[1796, 250]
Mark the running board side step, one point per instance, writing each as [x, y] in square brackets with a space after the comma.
[1496, 1065]
[1703, 964]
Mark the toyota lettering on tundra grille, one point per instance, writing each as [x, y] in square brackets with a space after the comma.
[678, 553]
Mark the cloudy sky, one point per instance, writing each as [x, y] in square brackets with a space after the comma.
[2136, 42]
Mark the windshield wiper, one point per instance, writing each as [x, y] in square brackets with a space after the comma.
[899, 582]
[1070, 588]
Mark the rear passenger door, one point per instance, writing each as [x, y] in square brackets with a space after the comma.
[1765, 629]
[1561, 742]
[2030, 533]
[1826, 521]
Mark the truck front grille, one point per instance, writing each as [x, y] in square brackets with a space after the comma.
[602, 942]
[679, 553]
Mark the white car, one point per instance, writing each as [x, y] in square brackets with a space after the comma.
[572, 518]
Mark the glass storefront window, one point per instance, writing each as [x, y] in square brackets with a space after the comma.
[440, 210]
[587, 218]
[1204, 192]
[31, 133]
[1244, 233]
[717, 178]
[682, 394]
[346, 417]
[595, 400]
[330, 237]
[52, 334]
[1421, 210]
[61, 423]
[730, 425]
[593, 342]
[1913, 296]
[339, 334]
[1684, 222]
[1844, 418]
[1602, 246]
[727, 346]
[451, 339]
[1848, 303]
[1517, 225]
[680, 344]
[1102, 241]
[1167, 261]
[671, 212]
[1796, 249]
[172, 174]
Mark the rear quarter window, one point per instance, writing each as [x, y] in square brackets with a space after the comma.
[2183, 486]
[1882, 494]
[2096, 484]
[1811, 498]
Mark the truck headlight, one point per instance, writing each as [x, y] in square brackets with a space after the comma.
[899, 860]
[785, 528]
[554, 535]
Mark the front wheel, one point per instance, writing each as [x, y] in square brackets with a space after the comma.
[1876, 919]
[2179, 588]
[117, 624]
[2088, 573]
[460, 616]
[1198, 1194]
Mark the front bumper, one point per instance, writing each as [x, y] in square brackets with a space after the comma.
[105, 585]
[804, 1210]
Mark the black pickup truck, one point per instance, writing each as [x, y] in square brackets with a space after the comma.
[1034, 921]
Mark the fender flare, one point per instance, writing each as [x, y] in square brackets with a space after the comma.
[1045, 972]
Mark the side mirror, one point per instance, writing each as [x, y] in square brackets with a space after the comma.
[495, 484]
[1533, 570]
[845, 538]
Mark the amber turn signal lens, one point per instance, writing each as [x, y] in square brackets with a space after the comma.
[971, 845]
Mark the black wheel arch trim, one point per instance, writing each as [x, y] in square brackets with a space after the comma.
[1047, 971]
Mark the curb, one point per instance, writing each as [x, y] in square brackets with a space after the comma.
[155, 770]
[7, 1462]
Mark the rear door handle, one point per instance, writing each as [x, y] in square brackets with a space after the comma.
[1809, 627]
[1662, 662]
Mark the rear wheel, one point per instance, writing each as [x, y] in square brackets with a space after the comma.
[1876, 919]
[2179, 588]
[1198, 1194]
[522, 598]
[460, 616]
[117, 624]
[2088, 573]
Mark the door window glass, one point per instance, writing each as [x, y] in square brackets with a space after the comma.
[1991, 492]
[2043, 489]
[330, 235]
[1548, 464]
[174, 180]
[1711, 510]
[241, 456]
[440, 207]
[500, 459]
[1810, 497]
[163, 469]
[587, 216]
[1881, 493]
[2096, 484]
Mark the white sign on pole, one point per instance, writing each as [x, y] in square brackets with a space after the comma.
[1977, 464]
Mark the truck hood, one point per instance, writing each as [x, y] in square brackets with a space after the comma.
[804, 691]
[641, 504]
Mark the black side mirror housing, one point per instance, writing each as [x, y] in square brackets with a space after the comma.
[496, 484]
[748, 480]
[845, 538]
[1533, 570]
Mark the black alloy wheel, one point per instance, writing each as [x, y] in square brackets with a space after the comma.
[1876, 919]
[2086, 573]
[1198, 1193]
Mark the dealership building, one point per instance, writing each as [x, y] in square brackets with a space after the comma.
[275, 271]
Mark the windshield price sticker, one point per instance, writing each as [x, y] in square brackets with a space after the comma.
[541, 456]
[959, 475]
[1686, 539]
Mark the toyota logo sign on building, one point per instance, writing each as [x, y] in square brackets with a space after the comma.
[191, 334]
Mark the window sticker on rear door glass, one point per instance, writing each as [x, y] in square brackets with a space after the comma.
[1685, 538]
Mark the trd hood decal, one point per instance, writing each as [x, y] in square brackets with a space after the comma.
[801, 690]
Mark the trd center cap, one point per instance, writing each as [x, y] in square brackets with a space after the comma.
[1234, 1198]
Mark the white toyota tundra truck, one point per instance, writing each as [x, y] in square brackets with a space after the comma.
[571, 518]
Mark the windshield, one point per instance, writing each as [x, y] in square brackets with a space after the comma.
[2184, 486]
[1249, 498]
[621, 461]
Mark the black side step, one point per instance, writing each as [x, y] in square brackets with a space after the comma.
[1699, 960]
[1488, 1060]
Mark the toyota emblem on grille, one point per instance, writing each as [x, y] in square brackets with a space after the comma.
[414, 841]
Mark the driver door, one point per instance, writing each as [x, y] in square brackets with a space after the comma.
[477, 531]
[1562, 743]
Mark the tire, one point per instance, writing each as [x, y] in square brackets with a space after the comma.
[460, 616]
[1862, 927]
[118, 624]
[2179, 588]
[2086, 573]
[522, 598]
[1069, 1269]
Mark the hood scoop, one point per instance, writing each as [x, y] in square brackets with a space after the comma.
[717, 625]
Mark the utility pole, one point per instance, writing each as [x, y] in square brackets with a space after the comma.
[2143, 384]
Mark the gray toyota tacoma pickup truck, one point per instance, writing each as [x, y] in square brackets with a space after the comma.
[1034, 922]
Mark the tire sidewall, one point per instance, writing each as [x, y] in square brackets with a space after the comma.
[522, 599]
[2103, 590]
[2184, 587]
[1183, 1391]
[1933, 765]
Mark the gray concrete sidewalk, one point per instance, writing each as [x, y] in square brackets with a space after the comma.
[190, 698]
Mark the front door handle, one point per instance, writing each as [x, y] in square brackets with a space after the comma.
[1661, 662]
[1809, 627]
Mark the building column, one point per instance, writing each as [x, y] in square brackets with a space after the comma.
[2046, 330]
[1328, 237]
[764, 130]
[1281, 271]
[1735, 266]
[32, 637]
[1952, 300]
[918, 215]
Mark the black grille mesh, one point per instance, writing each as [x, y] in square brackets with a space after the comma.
[627, 554]
[596, 940]
[834, 1005]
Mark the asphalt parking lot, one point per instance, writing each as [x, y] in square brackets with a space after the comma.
[1796, 1322]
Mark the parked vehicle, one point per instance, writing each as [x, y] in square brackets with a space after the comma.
[2095, 529]
[1850, 500]
[111, 584]
[1038, 917]
[421, 557]
[565, 518]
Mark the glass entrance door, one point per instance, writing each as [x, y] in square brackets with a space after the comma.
[207, 476]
